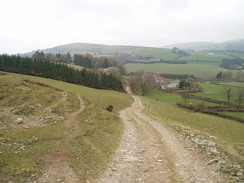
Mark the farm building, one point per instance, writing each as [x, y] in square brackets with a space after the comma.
[158, 78]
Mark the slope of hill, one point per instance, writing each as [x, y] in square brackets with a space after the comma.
[56, 131]
[95, 49]
[201, 46]
[53, 131]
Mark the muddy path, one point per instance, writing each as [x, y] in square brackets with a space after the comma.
[151, 152]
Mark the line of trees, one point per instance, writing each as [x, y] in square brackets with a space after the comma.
[142, 83]
[230, 76]
[177, 76]
[234, 94]
[84, 60]
[59, 71]
[55, 57]
[236, 64]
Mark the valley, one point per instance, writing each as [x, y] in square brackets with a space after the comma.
[65, 134]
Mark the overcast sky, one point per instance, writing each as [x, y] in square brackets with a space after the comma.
[28, 25]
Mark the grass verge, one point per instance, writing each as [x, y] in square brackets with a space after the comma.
[227, 134]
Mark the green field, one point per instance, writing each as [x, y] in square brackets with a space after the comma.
[173, 99]
[28, 148]
[204, 57]
[164, 54]
[240, 84]
[217, 91]
[198, 69]
[211, 91]
[228, 134]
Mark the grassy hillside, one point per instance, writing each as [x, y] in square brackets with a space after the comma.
[227, 134]
[103, 98]
[37, 127]
[95, 49]
[200, 46]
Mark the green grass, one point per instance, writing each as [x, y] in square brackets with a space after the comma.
[173, 99]
[228, 134]
[164, 54]
[101, 97]
[206, 63]
[216, 92]
[241, 84]
[89, 143]
[212, 91]
[199, 69]
[76, 66]
[205, 57]
[237, 114]
[97, 136]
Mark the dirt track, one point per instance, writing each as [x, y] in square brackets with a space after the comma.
[151, 152]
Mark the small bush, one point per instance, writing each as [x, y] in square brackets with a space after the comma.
[109, 108]
[201, 107]
[25, 110]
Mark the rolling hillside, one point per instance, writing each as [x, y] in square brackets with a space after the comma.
[49, 126]
[202, 46]
[95, 49]
[199, 62]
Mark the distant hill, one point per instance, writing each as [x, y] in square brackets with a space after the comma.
[202, 46]
[95, 49]
[121, 53]
[129, 53]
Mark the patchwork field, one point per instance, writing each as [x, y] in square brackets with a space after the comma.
[166, 54]
[217, 91]
[197, 69]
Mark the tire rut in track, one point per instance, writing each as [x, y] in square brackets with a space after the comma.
[151, 152]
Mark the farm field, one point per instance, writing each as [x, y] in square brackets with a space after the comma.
[205, 57]
[44, 128]
[216, 91]
[173, 99]
[167, 55]
[226, 133]
[240, 84]
[164, 54]
[198, 69]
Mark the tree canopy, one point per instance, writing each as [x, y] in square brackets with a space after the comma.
[59, 71]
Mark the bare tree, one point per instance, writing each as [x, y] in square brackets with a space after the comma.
[228, 93]
[133, 84]
[142, 82]
[185, 96]
[240, 96]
